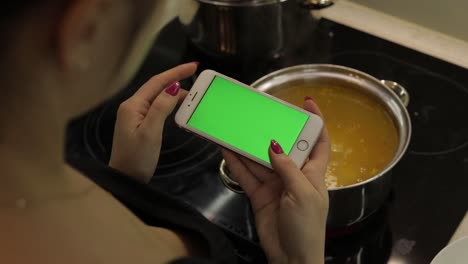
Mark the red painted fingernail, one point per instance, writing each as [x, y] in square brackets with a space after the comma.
[308, 98]
[173, 89]
[275, 146]
[196, 63]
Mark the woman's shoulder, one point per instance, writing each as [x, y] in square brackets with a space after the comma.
[92, 223]
[159, 209]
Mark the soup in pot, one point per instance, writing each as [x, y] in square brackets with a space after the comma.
[363, 135]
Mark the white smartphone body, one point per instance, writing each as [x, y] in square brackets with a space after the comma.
[245, 120]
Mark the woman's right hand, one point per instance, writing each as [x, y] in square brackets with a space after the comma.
[290, 204]
[140, 122]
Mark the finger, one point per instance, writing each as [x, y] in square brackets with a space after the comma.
[127, 115]
[262, 173]
[322, 147]
[182, 95]
[242, 174]
[264, 195]
[293, 179]
[311, 106]
[160, 108]
[153, 87]
[315, 168]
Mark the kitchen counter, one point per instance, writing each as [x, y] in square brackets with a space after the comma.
[399, 31]
[462, 229]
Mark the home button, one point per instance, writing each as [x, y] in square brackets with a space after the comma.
[302, 145]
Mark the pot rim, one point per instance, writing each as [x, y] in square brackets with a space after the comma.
[241, 3]
[400, 153]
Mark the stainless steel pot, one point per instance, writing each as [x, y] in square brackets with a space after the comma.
[243, 28]
[354, 203]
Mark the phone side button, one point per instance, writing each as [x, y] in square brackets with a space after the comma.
[302, 145]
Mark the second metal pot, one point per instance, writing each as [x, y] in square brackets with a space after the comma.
[242, 28]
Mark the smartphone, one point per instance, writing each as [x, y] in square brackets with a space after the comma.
[245, 120]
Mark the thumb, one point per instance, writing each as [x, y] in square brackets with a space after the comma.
[293, 179]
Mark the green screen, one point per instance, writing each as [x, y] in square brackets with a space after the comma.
[245, 119]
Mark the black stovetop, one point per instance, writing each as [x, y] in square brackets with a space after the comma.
[429, 195]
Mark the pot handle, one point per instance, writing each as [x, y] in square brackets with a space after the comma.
[399, 90]
[227, 180]
[315, 4]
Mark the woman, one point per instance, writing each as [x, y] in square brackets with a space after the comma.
[60, 58]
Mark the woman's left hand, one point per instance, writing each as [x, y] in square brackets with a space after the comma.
[290, 204]
[140, 121]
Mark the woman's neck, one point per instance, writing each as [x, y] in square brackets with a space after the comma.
[31, 147]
